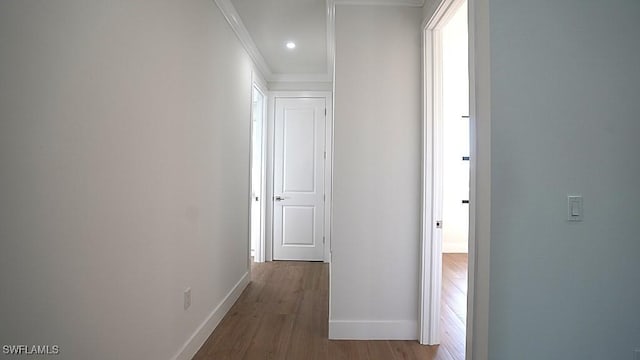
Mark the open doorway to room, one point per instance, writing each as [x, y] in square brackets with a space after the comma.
[446, 178]
[257, 230]
[454, 146]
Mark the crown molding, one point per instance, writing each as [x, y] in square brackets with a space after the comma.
[233, 18]
[300, 77]
[413, 3]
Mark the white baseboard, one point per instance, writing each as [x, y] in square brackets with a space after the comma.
[455, 248]
[191, 347]
[373, 330]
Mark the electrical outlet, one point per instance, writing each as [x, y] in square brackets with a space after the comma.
[187, 298]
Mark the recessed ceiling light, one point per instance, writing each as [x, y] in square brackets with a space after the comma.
[291, 45]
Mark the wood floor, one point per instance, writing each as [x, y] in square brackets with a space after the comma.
[283, 314]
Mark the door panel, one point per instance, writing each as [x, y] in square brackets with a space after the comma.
[299, 179]
[298, 226]
[299, 150]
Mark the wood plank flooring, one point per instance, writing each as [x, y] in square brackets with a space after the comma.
[283, 314]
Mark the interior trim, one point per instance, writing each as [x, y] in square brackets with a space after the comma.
[233, 18]
[414, 3]
[201, 334]
[373, 329]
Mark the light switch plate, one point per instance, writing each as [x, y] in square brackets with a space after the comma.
[574, 208]
[187, 298]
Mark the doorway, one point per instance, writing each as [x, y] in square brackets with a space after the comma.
[257, 228]
[299, 176]
[452, 146]
[453, 143]
[298, 208]
[446, 178]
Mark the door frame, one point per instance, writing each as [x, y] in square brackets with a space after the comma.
[480, 181]
[262, 89]
[432, 182]
[328, 166]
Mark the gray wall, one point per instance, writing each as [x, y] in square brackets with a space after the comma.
[565, 79]
[124, 149]
[376, 193]
[565, 86]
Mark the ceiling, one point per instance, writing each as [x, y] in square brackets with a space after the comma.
[271, 23]
[265, 26]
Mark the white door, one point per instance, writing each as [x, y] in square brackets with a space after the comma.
[299, 156]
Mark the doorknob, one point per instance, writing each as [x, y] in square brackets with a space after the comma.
[278, 198]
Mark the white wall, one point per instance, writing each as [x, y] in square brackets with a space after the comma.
[455, 104]
[376, 210]
[124, 148]
[565, 79]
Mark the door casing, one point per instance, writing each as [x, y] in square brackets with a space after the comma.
[258, 84]
[431, 235]
[298, 209]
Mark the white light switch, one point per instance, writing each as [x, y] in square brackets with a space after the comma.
[574, 207]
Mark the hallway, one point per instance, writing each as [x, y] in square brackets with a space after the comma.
[283, 315]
